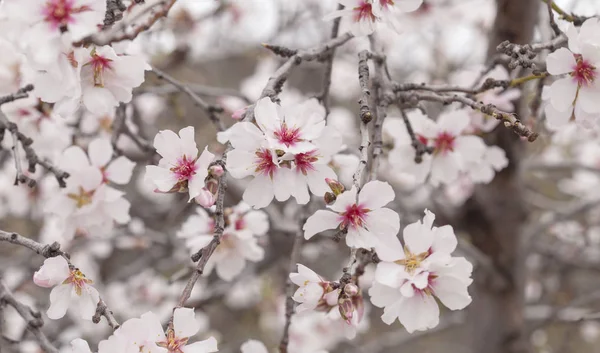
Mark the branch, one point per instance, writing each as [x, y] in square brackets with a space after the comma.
[289, 286]
[105, 38]
[32, 317]
[53, 250]
[366, 116]
[324, 96]
[211, 110]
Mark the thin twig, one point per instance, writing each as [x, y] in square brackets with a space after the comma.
[32, 317]
[324, 96]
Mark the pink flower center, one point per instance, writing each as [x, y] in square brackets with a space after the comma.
[59, 13]
[240, 224]
[584, 73]
[264, 163]
[444, 143]
[288, 136]
[77, 279]
[354, 216]
[364, 12]
[173, 344]
[305, 161]
[185, 168]
[99, 65]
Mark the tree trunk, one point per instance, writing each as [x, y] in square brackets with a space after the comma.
[494, 216]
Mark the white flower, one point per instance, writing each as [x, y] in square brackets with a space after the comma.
[253, 346]
[452, 150]
[44, 22]
[483, 171]
[80, 346]
[239, 242]
[360, 13]
[577, 93]
[286, 153]
[312, 289]
[185, 326]
[180, 169]
[368, 224]
[407, 287]
[71, 289]
[108, 79]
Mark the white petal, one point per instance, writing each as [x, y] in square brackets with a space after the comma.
[382, 295]
[452, 292]
[408, 5]
[259, 192]
[80, 346]
[419, 313]
[417, 238]
[231, 267]
[253, 346]
[87, 302]
[320, 221]
[185, 323]
[100, 152]
[587, 99]
[54, 271]
[240, 163]
[560, 62]
[283, 184]
[60, 298]
[376, 194]
[163, 179]
[562, 93]
[389, 274]
[344, 200]
[119, 171]
[471, 148]
[206, 346]
[266, 114]
[168, 145]
[556, 119]
[444, 239]
[246, 136]
[308, 274]
[188, 143]
[453, 122]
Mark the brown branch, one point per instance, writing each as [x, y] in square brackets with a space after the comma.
[32, 317]
[289, 286]
[210, 110]
[324, 96]
[105, 38]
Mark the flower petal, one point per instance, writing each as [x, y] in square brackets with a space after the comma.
[320, 221]
[185, 323]
[376, 194]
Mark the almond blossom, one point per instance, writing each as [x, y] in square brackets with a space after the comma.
[365, 14]
[44, 22]
[286, 153]
[176, 338]
[408, 286]
[239, 242]
[313, 290]
[367, 223]
[452, 150]
[576, 93]
[107, 79]
[180, 168]
[71, 289]
[253, 346]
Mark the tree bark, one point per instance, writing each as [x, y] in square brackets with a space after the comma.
[495, 215]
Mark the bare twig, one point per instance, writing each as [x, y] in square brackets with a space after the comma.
[324, 96]
[211, 110]
[32, 317]
[289, 286]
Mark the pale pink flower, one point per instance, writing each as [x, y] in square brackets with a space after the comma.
[361, 15]
[44, 22]
[406, 287]
[367, 222]
[180, 169]
[107, 79]
[313, 290]
[71, 289]
[452, 149]
[185, 326]
[576, 94]
[80, 346]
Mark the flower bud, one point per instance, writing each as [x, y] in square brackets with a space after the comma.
[335, 186]
[216, 170]
[329, 198]
[351, 289]
[239, 114]
[206, 198]
[212, 185]
[346, 308]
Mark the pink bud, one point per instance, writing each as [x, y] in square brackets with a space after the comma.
[216, 170]
[212, 185]
[206, 198]
[239, 114]
[335, 186]
[351, 289]
[346, 308]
